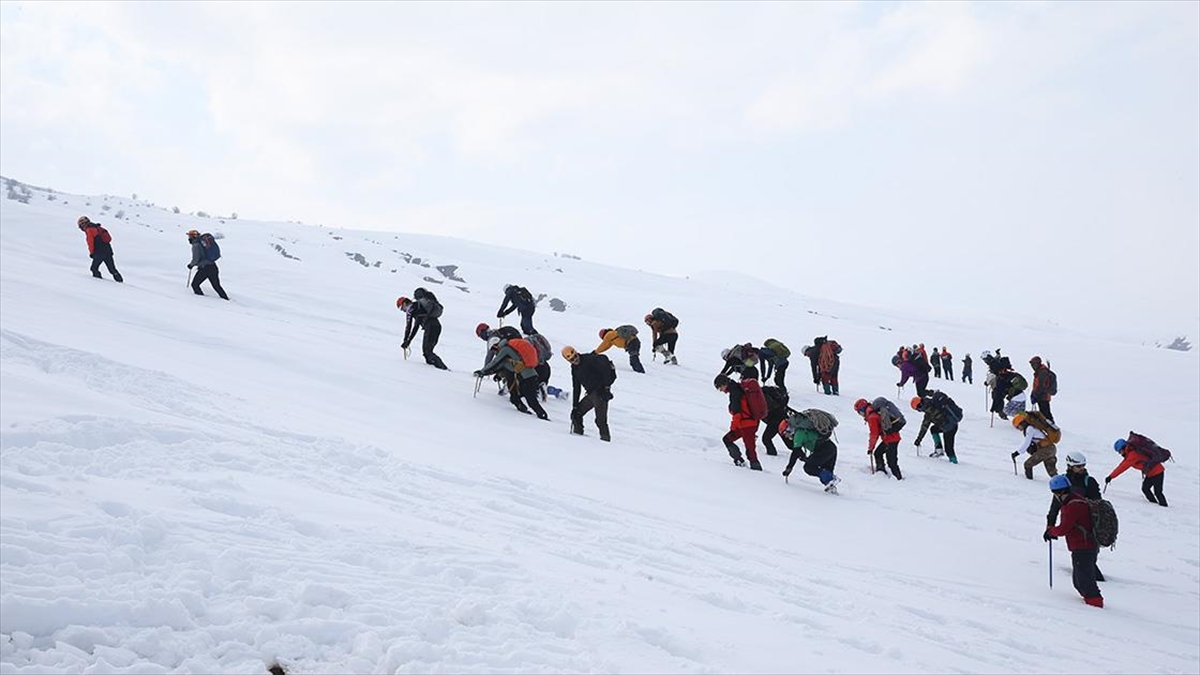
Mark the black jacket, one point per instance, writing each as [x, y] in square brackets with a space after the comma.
[593, 372]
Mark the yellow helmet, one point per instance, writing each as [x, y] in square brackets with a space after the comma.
[1018, 420]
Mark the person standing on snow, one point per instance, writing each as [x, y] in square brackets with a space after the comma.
[966, 370]
[1045, 386]
[624, 337]
[423, 314]
[520, 299]
[204, 259]
[947, 364]
[521, 357]
[1081, 484]
[747, 406]
[664, 334]
[1035, 442]
[100, 249]
[821, 457]
[829, 362]
[910, 366]
[935, 360]
[1076, 526]
[881, 442]
[1135, 456]
[774, 355]
[942, 416]
[595, 374]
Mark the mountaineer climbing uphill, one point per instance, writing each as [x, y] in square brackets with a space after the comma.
[807, 432]
[422, 314]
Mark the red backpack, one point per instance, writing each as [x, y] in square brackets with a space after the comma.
[755, 401]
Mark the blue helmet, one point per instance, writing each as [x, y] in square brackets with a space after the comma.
[1120, 444]
[1059, 482]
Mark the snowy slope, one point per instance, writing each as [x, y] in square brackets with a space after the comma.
[190, 485]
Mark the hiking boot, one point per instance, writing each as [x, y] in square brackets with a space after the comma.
[1001, 415]
[755, 466]
[738, 461]
[937, 452]
[954, 460]
[543, 416]
[1096, 601]
[772, 452]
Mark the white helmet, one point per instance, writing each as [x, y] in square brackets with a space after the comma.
[493, 341]
[1076, 458]
[724, 354]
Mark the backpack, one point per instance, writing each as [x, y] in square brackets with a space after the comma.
[1155, 454]
[1051, 382]
[522, 296]
[1016, 385]
[890, 417]
[543, 346]
[433, 308]
[507, 333]
[1039, 422]
[947, 405]
[817, 420]
[777, 399]
[778, 347]
[104, 235]
[626, 332]
[1104, 522]
[610, 374]
[212, 250]
[755, 401]
[666, 318]
[527, 352]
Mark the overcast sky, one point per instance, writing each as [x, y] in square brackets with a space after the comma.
[988, 155]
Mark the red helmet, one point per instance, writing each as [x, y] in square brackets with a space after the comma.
[402, 301]
[481, 331]
[915, 403]
[860, 406]
[603, 332]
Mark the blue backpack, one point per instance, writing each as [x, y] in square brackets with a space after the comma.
[212, 251]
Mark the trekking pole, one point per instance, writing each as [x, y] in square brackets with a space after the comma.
[1050, 565]
[1014, 459]
[189, 281]
[992, 422]
[406, 350]
[478, 384]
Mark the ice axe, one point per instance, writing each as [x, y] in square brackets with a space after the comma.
[1050, 551]
[478, 384]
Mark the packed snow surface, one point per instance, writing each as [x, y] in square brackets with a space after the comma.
[193, 485]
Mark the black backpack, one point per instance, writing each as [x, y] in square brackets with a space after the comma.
[777, 399]
[522, 296]
[666, 318]
[947, 405]
[435, 307]
[610, 373]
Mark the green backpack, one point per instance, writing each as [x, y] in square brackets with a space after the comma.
[778, 347]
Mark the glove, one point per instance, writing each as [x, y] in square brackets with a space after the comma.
[899, 385]
[404, 345]
[1107, 480]
[917, 443]
[787, 472]
[499, 315]
[190, 266]
[1015, 453]
[1046, 536]
[478, 373]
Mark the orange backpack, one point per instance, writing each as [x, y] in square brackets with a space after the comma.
[528, 353]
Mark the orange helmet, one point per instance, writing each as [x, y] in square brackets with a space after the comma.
[915, 403]
[569, 353]
[1018, 420]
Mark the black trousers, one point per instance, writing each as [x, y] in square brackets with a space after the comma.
[106, 259]
[1083, 572]
[1152, 487]
[774, 417]
[781, 367]
[1044, 408]
[433, 332]
[634, 348]
[890, 452]
[668, 339]
[211, 274]
[529, 391]
[594, 400]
